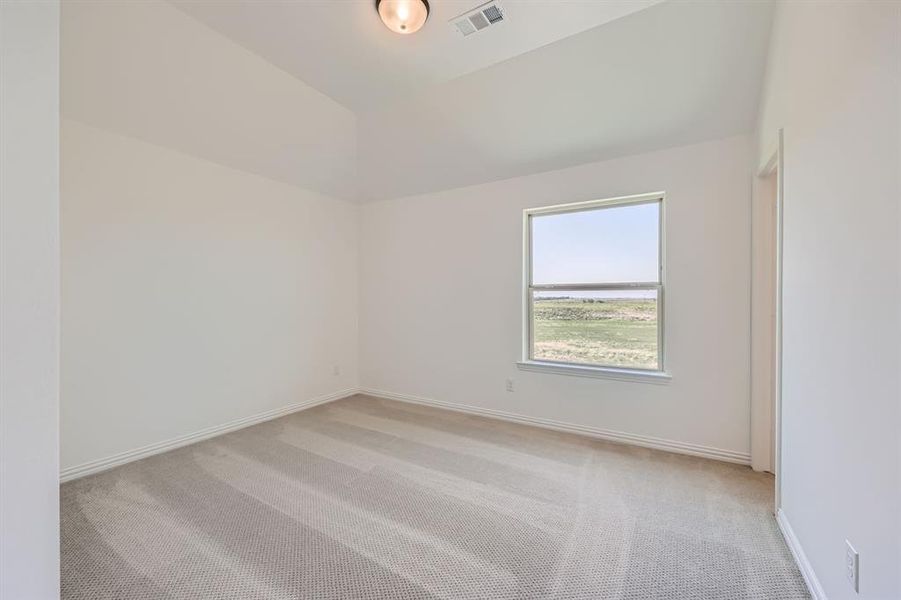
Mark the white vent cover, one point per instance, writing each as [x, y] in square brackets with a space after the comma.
[479, 18]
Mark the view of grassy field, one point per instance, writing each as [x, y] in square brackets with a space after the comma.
[615, 332]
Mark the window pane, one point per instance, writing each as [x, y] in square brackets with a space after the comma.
[609, 328]
[607, 245]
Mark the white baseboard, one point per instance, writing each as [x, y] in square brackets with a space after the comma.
[122, 458]
[95, 466]
[810, 578]
[731, 456]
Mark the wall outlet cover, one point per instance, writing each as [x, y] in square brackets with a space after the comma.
[852, 566]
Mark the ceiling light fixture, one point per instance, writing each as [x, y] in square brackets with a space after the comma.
[403, 16]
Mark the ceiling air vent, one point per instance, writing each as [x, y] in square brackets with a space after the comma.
[479, 18]
[493, 14]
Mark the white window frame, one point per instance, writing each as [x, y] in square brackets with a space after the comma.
[528, 363]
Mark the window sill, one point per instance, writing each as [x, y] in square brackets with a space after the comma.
[656, 377]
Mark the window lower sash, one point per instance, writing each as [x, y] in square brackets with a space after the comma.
[623, 345]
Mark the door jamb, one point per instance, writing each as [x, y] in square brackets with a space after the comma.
[775, 162]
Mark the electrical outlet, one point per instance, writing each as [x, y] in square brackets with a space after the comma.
[336, 370]
[509, 385]
[852, 566]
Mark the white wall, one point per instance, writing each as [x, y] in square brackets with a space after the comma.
[833, 85]
[29, 300]
[193, 294]
[441, 303]
[203, 280]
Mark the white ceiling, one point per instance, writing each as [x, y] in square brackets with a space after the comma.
[147, 70]
[342, 49]
[670, 75]
[321, 95]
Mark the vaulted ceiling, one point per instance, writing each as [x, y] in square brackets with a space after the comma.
[341, 48]
[673, 74]
[321, 95]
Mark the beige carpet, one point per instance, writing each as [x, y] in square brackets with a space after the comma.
[365, 498]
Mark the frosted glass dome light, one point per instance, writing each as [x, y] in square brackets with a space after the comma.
[403, 16]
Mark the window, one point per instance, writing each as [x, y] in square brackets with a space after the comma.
[594, 286]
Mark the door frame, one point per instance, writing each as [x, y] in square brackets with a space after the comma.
[774, 163]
